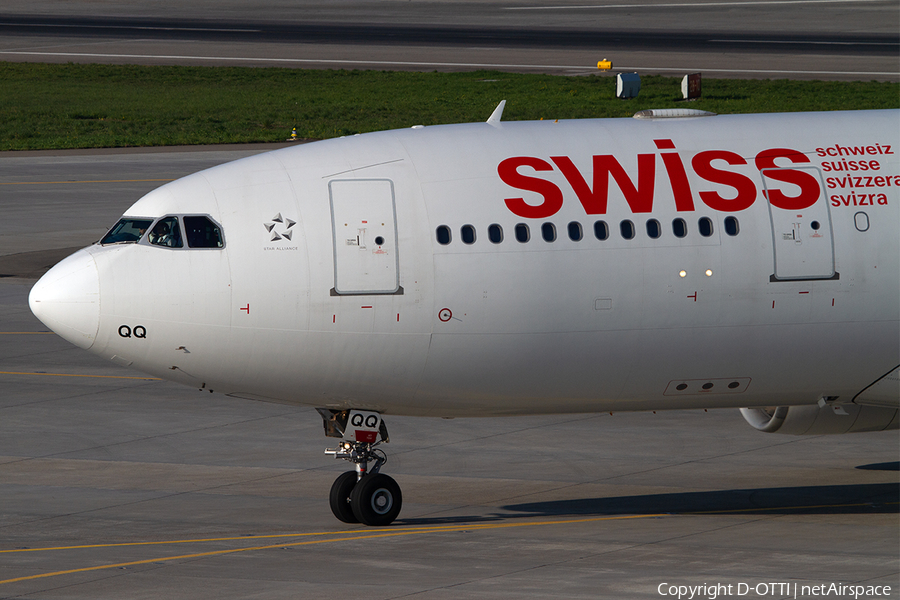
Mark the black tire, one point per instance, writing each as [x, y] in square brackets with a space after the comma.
[339, 498]
[376, 500]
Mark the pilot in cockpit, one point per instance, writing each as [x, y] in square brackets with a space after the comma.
[161, 234]
[156, 234]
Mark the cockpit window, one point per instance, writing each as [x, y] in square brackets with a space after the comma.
[126, 231]
[166, 233]
[202, 233]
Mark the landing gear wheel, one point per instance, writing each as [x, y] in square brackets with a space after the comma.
[339, 498]
[376, 500]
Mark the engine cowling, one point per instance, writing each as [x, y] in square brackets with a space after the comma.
[816, 420]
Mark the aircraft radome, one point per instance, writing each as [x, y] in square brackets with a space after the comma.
[673, 260]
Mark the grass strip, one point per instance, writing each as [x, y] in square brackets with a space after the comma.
[50, 106]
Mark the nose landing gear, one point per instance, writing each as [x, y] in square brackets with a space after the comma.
[364, 495]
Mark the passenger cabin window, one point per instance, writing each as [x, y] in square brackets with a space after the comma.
[548, 232]
[495, 234]
[575, 231]
[731, 226]
[208, 236]
[201, 232]
[522, 233]
[166, 233]
[126, 231]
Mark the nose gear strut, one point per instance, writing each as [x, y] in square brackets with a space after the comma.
[364, 495]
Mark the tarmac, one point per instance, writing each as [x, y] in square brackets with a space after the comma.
[764, 39]
[117, 485]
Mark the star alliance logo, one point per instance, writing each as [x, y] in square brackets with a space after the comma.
[280, 227]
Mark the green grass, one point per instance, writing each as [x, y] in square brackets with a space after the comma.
[87, 106]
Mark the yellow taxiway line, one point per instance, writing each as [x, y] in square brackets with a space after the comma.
[328, 537]
[79, 375]
[346, 536]
[85, 181]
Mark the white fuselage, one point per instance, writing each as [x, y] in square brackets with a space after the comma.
[747, 261]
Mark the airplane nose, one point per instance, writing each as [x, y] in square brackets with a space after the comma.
[67, 299]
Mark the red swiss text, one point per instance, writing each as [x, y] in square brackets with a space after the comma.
[714, 166]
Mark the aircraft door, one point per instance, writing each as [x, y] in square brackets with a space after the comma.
[803, 240]
[364, 224]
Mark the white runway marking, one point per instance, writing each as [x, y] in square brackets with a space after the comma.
[431, 65]
[811, 42]
[141, 27]
[694, 4]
